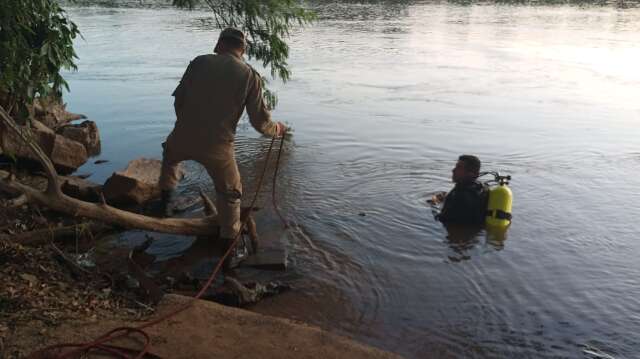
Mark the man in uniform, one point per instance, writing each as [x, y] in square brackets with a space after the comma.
[212, 95]
[466, 203]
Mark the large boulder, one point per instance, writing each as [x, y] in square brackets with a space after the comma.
[67, 155]
[137, 184]
[85, 133]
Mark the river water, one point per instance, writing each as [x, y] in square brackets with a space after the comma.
[383, 99]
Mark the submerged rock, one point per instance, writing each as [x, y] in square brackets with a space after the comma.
[137, 184]
[237, 294]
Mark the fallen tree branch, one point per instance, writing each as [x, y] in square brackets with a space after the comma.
[18, 201]
[53, 198]
[41, 236]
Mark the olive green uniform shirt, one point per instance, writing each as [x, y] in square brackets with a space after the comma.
[213, 93]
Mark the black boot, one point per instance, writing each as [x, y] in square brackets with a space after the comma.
[239, 253]
[229, 261]
[166, 210]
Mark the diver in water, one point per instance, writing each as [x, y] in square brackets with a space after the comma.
[466, 203]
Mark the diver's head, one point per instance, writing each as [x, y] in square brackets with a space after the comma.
[467, 169]
[231, 41]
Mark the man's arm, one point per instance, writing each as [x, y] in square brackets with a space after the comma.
[259, 114]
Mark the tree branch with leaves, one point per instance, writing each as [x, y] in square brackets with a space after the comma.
[267, 24]
[36, 42]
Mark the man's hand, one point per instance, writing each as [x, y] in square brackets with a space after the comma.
[437, 198]
[281, 129]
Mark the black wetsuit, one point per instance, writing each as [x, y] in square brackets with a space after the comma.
[466, 204]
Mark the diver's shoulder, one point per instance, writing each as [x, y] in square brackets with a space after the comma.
[471, 187]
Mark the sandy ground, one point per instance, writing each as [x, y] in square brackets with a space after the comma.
[211, 330]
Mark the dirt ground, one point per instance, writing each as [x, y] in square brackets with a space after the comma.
[211, 330]
[46, 298]
[41, 290]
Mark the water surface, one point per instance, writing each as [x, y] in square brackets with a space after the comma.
[383, 99]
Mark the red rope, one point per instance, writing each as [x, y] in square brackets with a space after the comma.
[122, 352]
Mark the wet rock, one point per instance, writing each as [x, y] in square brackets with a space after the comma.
[137, 184]
[274, 259]
[183, 203]
[80, 188]
[238, 294]
[85, 133]
[67, 155]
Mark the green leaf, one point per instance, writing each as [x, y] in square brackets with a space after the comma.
[36, 42]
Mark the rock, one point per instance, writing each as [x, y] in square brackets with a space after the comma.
[67, 155]
[70, 116]
[275, 259]
[80, 188]
[183, 203]
[138, 183]
[39, 126]
[52, 112]
[235, 293]
[49, 110]
[85, 133]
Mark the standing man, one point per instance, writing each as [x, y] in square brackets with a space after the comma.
[214, 91]
[466, 203]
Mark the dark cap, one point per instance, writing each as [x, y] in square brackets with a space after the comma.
[232, 33]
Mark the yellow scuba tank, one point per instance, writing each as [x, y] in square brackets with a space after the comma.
[499, 206]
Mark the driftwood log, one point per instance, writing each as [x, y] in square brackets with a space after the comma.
[42, 236]
[54, 198]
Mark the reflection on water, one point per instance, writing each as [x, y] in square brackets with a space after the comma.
[383, 99]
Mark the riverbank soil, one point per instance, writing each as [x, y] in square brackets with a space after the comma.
[49, 297]
[41, 290]
[211, 330]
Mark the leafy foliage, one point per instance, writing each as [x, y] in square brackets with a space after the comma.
[36, 42]
[267, 24]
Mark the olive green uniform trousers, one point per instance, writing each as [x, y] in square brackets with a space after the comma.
[223, 170]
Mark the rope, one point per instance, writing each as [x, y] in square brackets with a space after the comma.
[273, 187]
[123, 352]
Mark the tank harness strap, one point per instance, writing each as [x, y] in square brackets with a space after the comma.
[500, 214]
